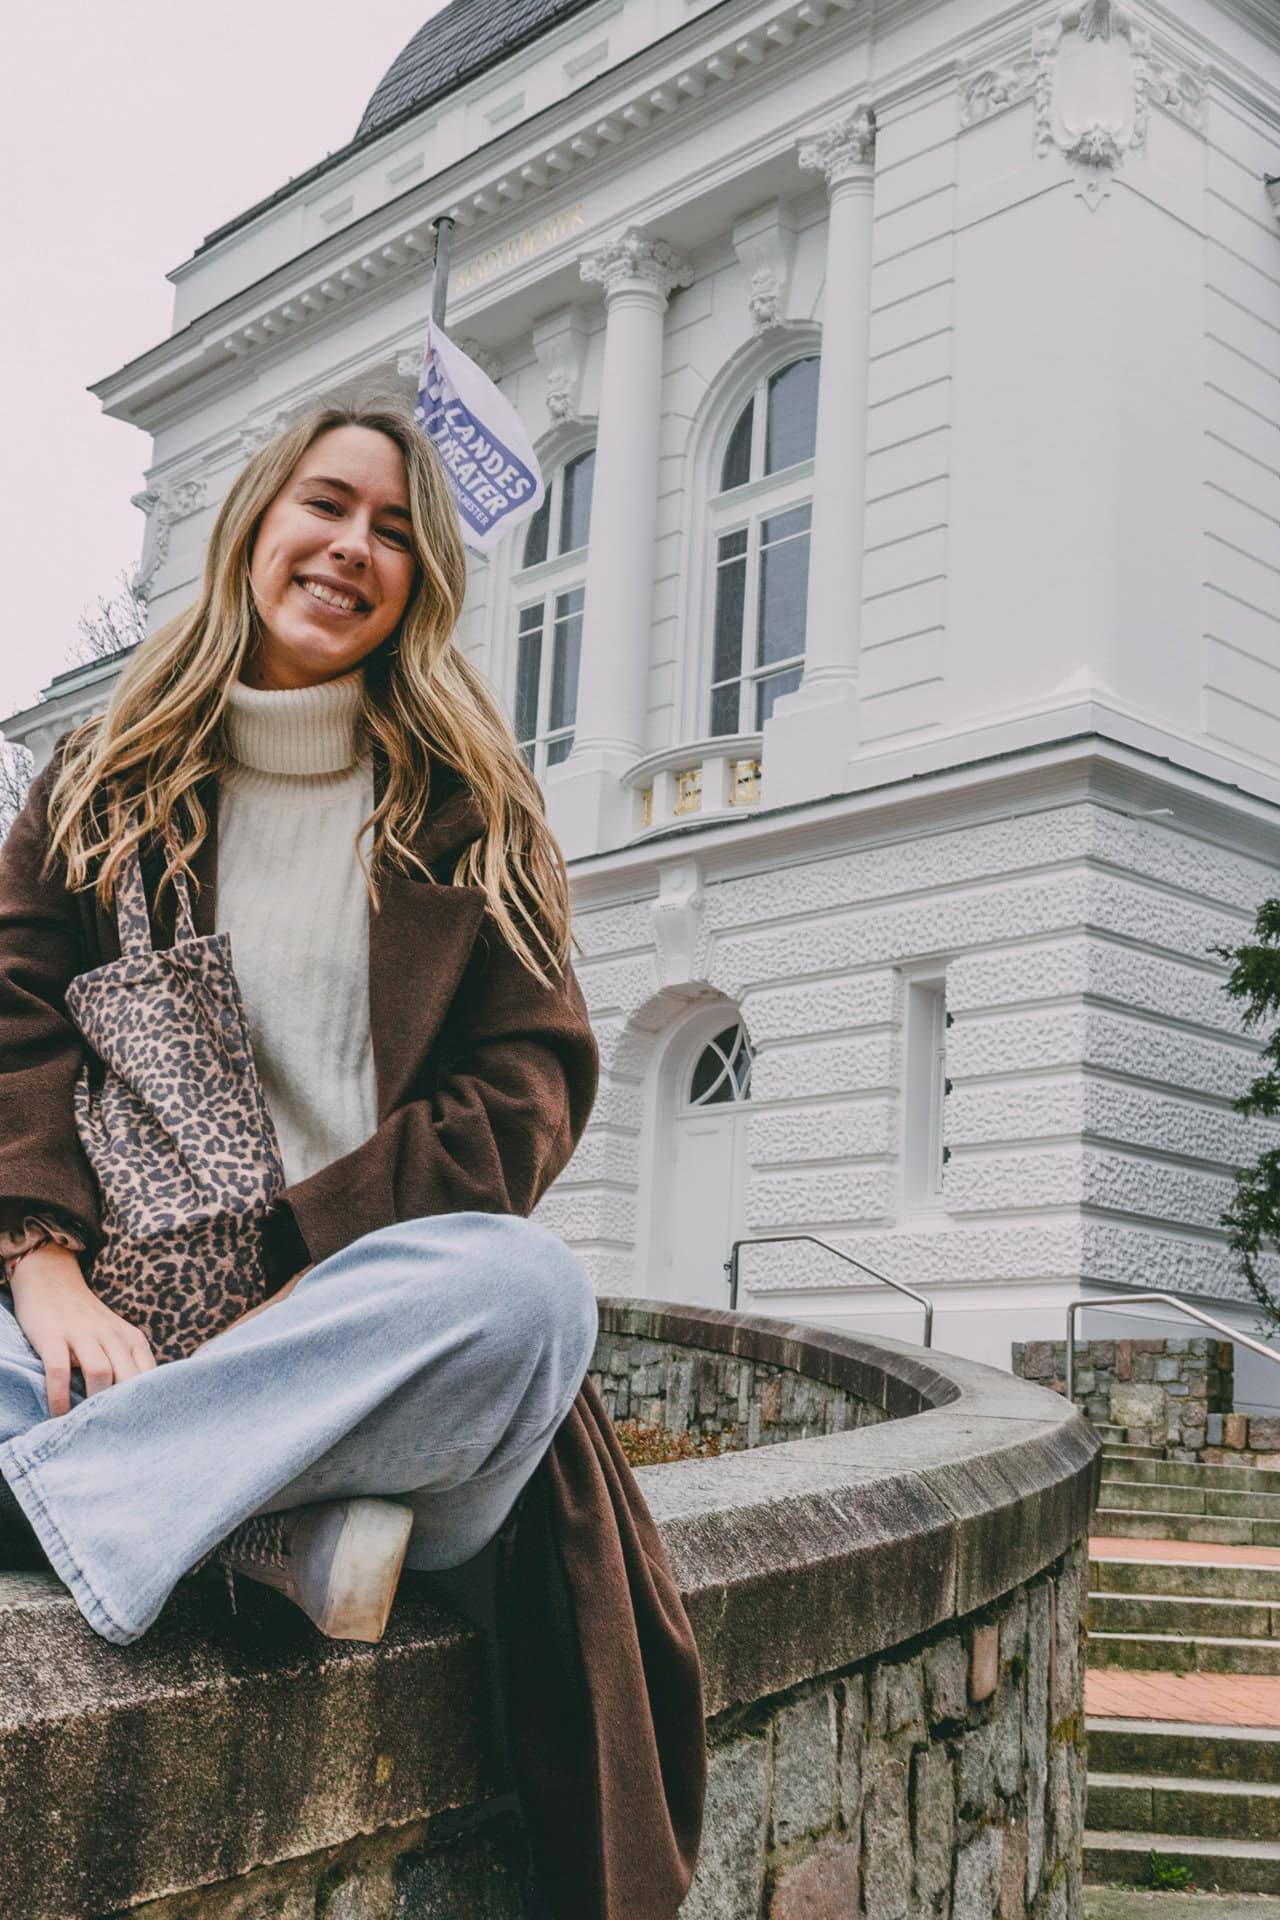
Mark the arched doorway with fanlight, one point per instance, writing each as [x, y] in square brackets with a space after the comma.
[700, 1155]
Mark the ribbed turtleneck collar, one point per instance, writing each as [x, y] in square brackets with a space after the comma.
[297, 730]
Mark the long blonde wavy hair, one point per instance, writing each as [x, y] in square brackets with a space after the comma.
[131, 773]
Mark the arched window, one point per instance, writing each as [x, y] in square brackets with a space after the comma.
[760, 530]
[550, 594]
[722, 1071]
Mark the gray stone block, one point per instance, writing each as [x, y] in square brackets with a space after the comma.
[1007, 1753]
[368, 1894]
[853, 1718]
[896, 1698]
[946, 1677]
[1013, 1634]
[977, 1881]
[975, 1771]
[1135, 1405]
[886, 1837]
[804, 1768]
[478, 1879]
[1035, 1726]
[933, 1827]
[728, 1882]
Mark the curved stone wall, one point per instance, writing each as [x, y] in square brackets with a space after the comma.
[889, 1612]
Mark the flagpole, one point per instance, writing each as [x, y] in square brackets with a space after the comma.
[442, 227]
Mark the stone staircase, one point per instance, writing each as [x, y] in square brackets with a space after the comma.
[1203, 1796]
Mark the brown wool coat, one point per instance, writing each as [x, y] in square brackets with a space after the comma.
[485, 1080]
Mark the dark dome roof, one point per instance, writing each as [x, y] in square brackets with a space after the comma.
[459, 42]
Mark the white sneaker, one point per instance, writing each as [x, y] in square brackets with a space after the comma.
[339, 1560]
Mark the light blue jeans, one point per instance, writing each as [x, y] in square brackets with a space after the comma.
[431, 1361]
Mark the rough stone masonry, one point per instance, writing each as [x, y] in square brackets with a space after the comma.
[944, 1781]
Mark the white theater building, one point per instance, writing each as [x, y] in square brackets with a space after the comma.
[899, 648]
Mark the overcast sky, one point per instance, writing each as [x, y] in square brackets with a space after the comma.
[128, 130]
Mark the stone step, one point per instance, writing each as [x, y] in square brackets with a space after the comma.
[1182, 1473]
[1175, 1653]
[1162, 1803]
[1164, 1498]
[1130, 1450]
[1126, 1523]
[1139, 1903]
[1184, 1748]
[1183, 1577]
[1191, 1614]
[1235, 1866]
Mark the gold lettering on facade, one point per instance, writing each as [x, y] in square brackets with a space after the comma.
[521, 246]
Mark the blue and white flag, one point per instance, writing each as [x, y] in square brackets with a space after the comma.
[488, 457]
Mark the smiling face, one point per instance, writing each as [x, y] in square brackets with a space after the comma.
[333, 564]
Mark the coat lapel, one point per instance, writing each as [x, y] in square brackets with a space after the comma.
[420, 939]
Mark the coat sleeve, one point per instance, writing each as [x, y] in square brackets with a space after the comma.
[501, 1119]
[42, 1164]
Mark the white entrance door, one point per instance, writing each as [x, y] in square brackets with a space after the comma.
[706, 1169]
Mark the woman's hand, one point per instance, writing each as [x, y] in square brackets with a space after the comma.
[70, 1327]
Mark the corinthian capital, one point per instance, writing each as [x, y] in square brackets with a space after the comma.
[843, 151]
[636, 261]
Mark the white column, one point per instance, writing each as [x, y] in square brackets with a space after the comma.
[810, 735]
[589, 809]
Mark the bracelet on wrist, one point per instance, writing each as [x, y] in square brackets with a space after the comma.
[13, 1264]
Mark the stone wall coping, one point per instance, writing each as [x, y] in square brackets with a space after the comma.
[925, 1518]
[220, 1743]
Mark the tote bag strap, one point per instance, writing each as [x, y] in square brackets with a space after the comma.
[132, 919]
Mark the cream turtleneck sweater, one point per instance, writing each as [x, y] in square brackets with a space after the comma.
[291, 894]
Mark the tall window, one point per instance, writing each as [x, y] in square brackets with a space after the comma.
[927, 1087]
[550, 596]
[760, 527]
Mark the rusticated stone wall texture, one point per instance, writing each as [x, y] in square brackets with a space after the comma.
[1092, 1057]
[944, 1781]
[747, 1403]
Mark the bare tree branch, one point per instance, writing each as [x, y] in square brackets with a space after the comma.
[15, 777]
[119, 622]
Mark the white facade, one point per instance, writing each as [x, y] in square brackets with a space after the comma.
[1030, 560]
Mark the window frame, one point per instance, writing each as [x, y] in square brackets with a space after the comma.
[926, 1085]
[745, 508]
[544, 585]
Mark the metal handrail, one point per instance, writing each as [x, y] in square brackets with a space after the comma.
[1165, 1300]
[780, 1239]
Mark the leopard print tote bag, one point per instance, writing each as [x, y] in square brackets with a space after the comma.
[173, 1119]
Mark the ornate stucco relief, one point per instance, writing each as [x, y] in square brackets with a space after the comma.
[163, 505]
[560, 343]
[1094, 74]
[765, 243]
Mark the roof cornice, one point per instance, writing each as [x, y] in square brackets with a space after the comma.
[535, 166]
